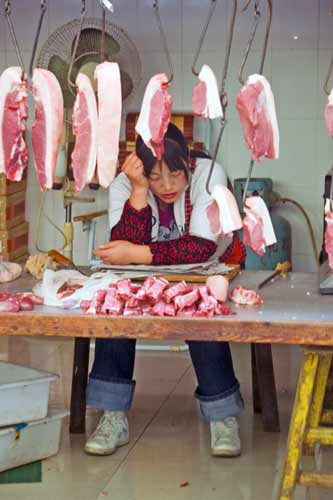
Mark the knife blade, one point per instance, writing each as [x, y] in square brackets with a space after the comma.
[281, 269]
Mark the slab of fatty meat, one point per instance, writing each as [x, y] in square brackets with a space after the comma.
[47, 128]
[329, 233]
[329, 114]
[256, 108]
[206, 101]
[258, 231]
[223, 214]
[155, 114]
[107, 75]
[84, 122]
[13, 115]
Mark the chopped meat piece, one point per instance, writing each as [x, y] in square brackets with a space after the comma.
[187, 312]
[187, 300]
[175, 290]
[157, 288]
[85, 304]
[142, 293]
[124, 289]
[132, 311]
[244, 296]
[97, 302]
[218, 287]
[159, 308]
[112, 305]
[170, 310]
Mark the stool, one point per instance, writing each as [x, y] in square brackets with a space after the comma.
[264, 390]
[307, 426]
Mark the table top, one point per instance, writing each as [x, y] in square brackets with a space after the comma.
[293, 313]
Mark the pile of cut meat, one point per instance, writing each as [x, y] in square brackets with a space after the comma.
[155, 297]
[19, 302]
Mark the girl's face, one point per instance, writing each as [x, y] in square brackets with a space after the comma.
[166, 185]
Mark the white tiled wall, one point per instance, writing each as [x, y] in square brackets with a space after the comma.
[296, 69]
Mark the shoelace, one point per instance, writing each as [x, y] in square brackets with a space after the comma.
[111, 422]
[220, 427]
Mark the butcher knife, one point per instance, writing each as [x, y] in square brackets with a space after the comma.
[280, 270]
[63, 261]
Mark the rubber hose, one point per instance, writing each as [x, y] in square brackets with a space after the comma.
[313, 239]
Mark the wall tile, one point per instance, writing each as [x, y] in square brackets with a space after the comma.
[325, 24]
[296, 17]
[147, 35]
[294, 82]
[26, 29]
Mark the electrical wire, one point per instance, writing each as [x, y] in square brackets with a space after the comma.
[39, 219]
[308, 221]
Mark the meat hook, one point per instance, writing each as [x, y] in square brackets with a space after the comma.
[163, 38]
[202, 36]
[43, 8]
[72, 85]
[223, 96]
[328, 76]
[7, 6]
[257, 16]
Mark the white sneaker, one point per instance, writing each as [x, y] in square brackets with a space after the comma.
[225, 440]
[111, 432]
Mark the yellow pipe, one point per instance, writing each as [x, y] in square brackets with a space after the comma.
[69, 234]
[298, 424]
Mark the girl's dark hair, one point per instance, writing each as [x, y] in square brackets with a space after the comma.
[176, 153]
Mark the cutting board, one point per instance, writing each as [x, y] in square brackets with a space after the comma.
[194, 278]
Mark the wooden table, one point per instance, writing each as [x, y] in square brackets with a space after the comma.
[293, 313]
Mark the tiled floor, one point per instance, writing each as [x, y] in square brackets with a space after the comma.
[168, 456]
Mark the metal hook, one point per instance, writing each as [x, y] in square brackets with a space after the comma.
[224, 98]
[328, 76]
[72, 85]
[165, 45]
[43, 7]
[8, 10]
[202, 36]
[257, 16]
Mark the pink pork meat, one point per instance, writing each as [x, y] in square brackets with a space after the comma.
[218, 286]
[47, 128]
[245, 297]
[206, 101]
[175, 290]
[256, 107]
[155, 114]
[329, 114]
[112, 305]
[13, 115]
[84, 122]
[107, 75]
[329, 233]
[258, 231]
[97, 302]
[223, 214]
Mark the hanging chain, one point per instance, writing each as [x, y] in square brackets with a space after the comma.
[43, 7]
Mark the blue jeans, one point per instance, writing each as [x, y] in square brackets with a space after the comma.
[111, 385]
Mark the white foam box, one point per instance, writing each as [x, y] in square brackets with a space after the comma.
[34, 441]
[24, 393]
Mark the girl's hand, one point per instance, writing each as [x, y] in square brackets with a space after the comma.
[124, 253]
[133, 168]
